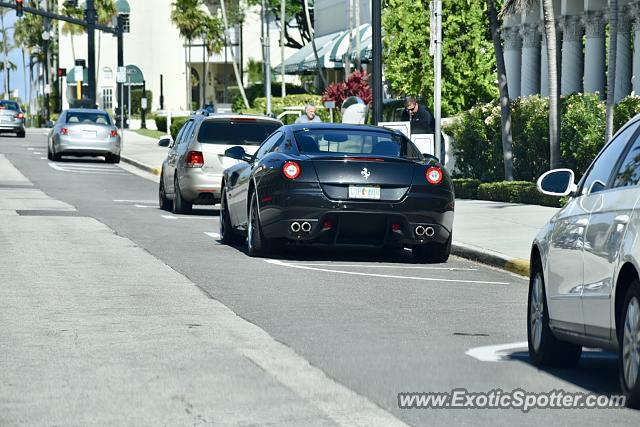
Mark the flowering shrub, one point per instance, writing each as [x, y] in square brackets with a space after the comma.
[356, 85]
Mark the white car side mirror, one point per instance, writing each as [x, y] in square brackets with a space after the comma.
[557, 182]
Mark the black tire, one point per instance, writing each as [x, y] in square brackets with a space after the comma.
[544, 348]
[631, 391]
[55, 156]
[180, 206]
[112, 158]
[257, 244]
[21, 134]
[432, 252]
[228, 235]
[163, 201]
[49, 155]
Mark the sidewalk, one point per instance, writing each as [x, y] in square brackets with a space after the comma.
[494, 233]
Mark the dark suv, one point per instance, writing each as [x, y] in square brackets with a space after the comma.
[11, 118]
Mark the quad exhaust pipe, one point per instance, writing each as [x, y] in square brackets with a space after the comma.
[425, 231]
[304, 226]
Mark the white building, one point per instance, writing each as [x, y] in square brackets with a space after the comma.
[153, 49]
[581, 32]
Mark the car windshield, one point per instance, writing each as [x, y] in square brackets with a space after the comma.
[9, 105]
[88, 118]
[236, 132]
[349, 142]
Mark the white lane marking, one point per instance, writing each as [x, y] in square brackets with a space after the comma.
[30, 148]
[37, 153]
[134, 201]
[145, 206]
[169, 217]
[495, 353]
[206, 218]
[388, 276]
[214, 235]
[43, 158]
[404, 267]
[87, 171]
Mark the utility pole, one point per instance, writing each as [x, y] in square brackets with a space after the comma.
[436, 36]
[267, 57]
[91, 44]
[376, 78]
[283, 22]
[120, 87]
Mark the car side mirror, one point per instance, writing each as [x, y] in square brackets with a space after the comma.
[237, 153]
[165, 141]
[557, 182]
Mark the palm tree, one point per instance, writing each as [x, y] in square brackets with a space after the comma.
[188, 17]
[513, 6]
[223, 8]
[5, 52]
[106, 11]
[72, 29]
[505, 111]
[611, 68]
[27, 35]
[212, 34]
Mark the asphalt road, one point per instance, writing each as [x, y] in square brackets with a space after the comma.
[374, 322]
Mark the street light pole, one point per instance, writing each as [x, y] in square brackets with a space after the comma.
[91, 43]
[267, 57]
[376, 75]
[437, 89]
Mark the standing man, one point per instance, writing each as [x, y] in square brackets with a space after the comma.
[309, 115]
[422, 121]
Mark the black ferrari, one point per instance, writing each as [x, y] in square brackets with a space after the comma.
[339, 185]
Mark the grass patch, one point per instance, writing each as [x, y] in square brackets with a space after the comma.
[152, 133]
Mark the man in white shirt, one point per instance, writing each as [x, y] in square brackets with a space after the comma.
[309, 115]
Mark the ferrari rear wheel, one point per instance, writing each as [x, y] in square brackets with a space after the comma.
[228, 235]
[257, 244]
[432, 252]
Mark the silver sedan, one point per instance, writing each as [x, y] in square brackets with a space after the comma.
[84, 132]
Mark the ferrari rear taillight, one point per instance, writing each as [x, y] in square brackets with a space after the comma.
[64, 131]
[195, 159]
[434, 175]
[291, 170]
[113, 133]
[20, 116]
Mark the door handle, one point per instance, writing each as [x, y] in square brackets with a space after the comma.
[622, 219]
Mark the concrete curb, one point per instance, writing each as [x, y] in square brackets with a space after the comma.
[495, 259]
[145, 167]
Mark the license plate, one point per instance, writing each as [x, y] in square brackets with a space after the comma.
[89, 133]
[364, 192]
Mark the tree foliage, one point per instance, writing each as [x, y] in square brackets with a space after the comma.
[468, 63]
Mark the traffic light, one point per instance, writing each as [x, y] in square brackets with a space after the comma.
[62, 72]
[19, 8]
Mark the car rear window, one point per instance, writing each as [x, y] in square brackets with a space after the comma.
[9, 105]
[350, 142]
[236, 132]
[88, 118]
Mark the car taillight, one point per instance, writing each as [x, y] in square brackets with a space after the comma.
[20, 116]
[195, 159]
[291, 170]
[434, 175]
[114, 133]
[64, 131]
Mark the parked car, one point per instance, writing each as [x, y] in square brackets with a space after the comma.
[12, 118]
[585, 284]
[192, 172]
[84, 132]
[339, 185]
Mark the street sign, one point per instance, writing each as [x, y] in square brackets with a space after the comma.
[143, 103]
[121, 75]
[77, 72]
[330, 104]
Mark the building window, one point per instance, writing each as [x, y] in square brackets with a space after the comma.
[126, 23]
[107, 98]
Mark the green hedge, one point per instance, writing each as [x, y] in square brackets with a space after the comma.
[255, 91]
[176, 124]
[161, 122]
[515, 192]
[466, 188]
[278, 105]
[477, 143]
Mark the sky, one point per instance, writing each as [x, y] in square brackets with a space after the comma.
[17, 77]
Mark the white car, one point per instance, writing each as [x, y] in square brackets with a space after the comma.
[584, 287]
